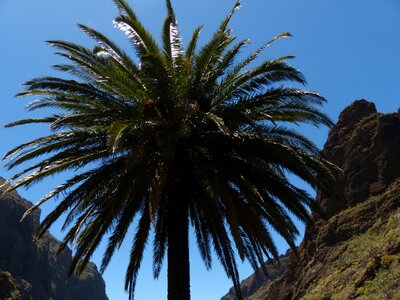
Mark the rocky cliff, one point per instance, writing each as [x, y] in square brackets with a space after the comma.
[355, 254]
[29, 268]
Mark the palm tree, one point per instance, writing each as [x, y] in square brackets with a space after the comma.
[171, 139]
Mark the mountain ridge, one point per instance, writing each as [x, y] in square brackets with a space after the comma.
[365, 220]
[30, 268]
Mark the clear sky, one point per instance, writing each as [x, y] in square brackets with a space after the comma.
[347, 50]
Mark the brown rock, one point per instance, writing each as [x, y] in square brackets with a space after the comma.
[366, 145]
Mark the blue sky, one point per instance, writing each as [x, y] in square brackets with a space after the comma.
[347, 50]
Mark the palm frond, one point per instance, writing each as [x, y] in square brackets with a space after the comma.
[167, 136]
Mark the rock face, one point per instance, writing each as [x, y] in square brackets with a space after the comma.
[355, 254]
[366, 145]
[30, 268]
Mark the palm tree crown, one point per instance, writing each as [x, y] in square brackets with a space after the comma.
[171, 139]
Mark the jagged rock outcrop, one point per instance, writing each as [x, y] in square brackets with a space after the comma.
[355, 254]
[34, 269]
[366, 145]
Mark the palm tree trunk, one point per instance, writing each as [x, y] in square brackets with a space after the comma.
[178, 250]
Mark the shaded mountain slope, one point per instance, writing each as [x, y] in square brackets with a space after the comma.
[29, 268]
[259, 279]
[355, 254]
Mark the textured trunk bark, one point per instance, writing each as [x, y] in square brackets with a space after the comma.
[178, 250]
